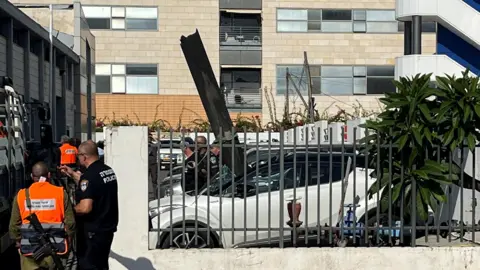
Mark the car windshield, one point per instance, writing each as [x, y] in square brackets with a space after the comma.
[218, 182]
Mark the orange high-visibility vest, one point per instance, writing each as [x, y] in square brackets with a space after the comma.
[68, 154]
[47, 202]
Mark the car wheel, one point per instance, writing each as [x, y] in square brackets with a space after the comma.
[188, 240]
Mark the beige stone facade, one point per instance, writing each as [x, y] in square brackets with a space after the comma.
[328, 49]
[177, 18]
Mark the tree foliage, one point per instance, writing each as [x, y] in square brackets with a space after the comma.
[410, 144]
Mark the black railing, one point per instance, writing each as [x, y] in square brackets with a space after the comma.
[243, 98]
[240, 35]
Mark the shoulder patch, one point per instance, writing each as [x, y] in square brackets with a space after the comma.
[213, 160]
[83, 185]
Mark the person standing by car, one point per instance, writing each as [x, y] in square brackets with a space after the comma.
[197, 165]
[96, 209]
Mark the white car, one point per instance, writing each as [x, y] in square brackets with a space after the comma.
[228, 211]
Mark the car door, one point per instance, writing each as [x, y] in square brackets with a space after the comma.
[257, 215]
[324, 190]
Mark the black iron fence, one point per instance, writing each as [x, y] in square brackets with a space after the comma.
[311, 193]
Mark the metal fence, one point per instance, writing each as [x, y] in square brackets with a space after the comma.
[311, 193]
[240, 35]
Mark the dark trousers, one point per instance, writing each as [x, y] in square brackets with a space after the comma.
[153, 173]
[93, 250]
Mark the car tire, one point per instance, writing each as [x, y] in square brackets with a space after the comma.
[188, 241]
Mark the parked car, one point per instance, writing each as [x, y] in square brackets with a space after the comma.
[256, 201]
[171, 153]
[255, 156]
[172, 184]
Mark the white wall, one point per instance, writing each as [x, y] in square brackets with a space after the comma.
[126, 153]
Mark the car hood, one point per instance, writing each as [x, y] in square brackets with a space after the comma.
[202, 201]
[175, 178]
[175, 199]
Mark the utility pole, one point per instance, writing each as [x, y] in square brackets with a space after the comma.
[299, 93]
[311, 113]
[287, 97]
[52, 96]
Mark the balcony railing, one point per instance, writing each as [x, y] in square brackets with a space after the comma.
[240, 36]
[243, 98]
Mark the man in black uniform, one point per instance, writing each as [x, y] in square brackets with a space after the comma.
[96, 209]
[200, 159]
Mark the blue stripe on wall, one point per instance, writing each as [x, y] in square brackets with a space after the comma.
[458, 49]
[473, 3]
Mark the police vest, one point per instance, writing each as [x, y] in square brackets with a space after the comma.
[68, 154]
[47, 202]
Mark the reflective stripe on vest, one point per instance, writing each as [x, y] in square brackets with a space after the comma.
[47, 202]
[68, 154]
[30, 241]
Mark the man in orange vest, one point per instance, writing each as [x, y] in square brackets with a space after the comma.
[54, 211]
[68, 153]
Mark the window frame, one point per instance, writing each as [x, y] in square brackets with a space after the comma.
[125, 75]
[124, 18]
[315, 92]
[352, 20]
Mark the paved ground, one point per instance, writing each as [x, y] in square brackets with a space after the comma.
[432, 241]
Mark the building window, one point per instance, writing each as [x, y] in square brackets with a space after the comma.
[342, 21]
[240, 80]
[121, 18]
[127, 78]
[337, 80]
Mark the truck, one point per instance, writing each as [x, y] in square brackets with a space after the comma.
[12, 154]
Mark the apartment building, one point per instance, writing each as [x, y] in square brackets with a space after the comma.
[458, 38]
[141, 72]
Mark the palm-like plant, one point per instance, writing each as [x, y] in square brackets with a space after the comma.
[401, 147]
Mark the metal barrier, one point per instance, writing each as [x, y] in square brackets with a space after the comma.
[243, 98]
[312, 193]
[240, 36]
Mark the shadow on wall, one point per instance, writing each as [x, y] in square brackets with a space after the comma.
[141, 263]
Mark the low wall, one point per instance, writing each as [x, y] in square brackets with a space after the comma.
[304, 258]
[126, 152]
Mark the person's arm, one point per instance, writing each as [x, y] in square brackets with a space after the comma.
[69, 219]
[15, 222]
[76, 176]
[85, 197]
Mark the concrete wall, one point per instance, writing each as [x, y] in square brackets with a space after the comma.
[126, 152]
